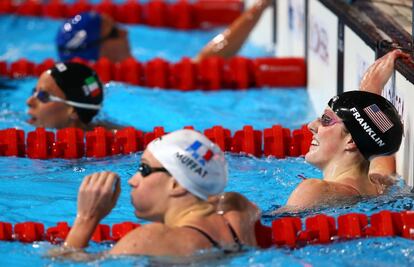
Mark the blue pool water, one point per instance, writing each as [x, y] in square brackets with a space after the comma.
[45, 190]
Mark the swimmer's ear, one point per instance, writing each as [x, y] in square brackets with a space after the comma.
[350, 145]
[73, 115]
[176, 189]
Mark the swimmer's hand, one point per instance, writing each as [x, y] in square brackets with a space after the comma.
[97, 196]
[380, 72]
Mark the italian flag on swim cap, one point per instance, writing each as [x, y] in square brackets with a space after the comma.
[91, 87]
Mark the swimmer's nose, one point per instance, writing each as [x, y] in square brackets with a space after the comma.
[313, 126]
[134, 180]
[31, 101]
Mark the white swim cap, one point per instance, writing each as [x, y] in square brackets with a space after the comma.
[193, 160]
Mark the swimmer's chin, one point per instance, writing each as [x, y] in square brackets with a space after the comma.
[32, 121]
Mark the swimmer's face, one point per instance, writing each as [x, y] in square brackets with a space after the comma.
[114, 48]
[52, 114]
[149, 194]
[329, 139]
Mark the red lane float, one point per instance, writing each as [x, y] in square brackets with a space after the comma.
[29, 8]
[29, 232]
[220, 136]
[184, 75]
[182, 15]
[21, 68]
[100, 143]
[69, 144]
[263, 235]
[6, 231]
[7, 6]
[45, 65]
[58, 233]
[72, 143]
[157, 73]
[129, 140]
[129, 71]
[55, 9]
[321, 229]
[129, 12]
[287, 231]
[352, 225]
[286, 72]
[210, 74]
[248, 141]
[217, 12]
[12, 143]
[3, 68]
[40, 144]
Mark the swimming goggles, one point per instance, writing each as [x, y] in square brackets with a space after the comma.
[326, 120]
[146, 169]
[46, 97]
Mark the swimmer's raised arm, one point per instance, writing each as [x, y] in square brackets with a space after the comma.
[96, 198]
[380, 72]
[374, 81]
[227, 43]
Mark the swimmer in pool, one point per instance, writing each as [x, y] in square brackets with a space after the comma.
[67, 95]
[80, 36]
[355, 129]
[177, 174]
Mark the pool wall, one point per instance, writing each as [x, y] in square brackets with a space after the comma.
[341, 42]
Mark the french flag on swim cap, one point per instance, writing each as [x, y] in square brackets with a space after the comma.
[200, 152]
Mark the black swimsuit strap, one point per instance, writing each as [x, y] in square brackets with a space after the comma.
[234, 234]
[212, 241]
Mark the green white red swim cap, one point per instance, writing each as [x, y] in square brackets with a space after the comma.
[193, 160]
[372, 120]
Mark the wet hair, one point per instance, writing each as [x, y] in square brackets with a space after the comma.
[80, 84]
[372, 121]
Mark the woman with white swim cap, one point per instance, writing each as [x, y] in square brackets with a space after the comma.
[177, 174]
[349, 139]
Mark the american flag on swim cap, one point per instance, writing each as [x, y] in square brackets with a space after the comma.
[378, 118]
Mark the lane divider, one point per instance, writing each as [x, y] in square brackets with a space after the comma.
[211, 74]
[72, 143]
[28, 232]
[284, 232]
[323, 229]
[182, 15]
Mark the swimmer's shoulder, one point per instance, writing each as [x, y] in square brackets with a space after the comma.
[144, 240]
[157, 239]
[308, 192]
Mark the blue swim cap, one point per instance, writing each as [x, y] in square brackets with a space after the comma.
[80, 36]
